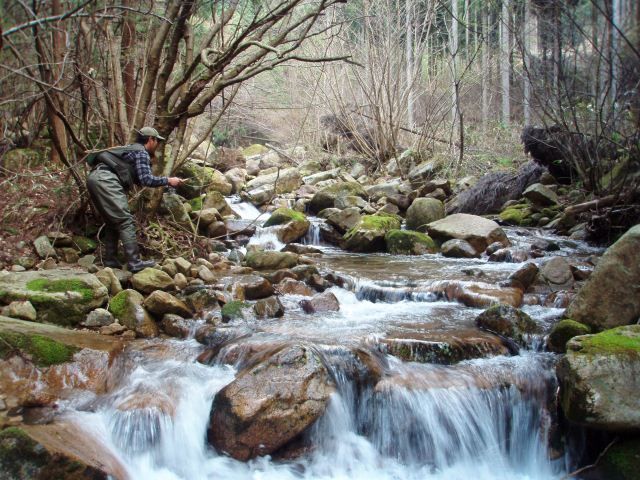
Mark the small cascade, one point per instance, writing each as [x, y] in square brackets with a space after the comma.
[246, 210]
[267, 239]
[313, 234]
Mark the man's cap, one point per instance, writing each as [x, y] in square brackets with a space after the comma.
[150, 132]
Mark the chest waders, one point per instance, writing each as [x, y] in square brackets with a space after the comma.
[108, 183]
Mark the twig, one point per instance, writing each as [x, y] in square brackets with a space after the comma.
[39, 21]
[594, 464]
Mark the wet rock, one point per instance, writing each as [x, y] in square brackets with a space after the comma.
[60, 296]
[269, 404]
[237, 177]
[300, 249]
[611, 295]
[369, 233]
[216, 200]
[289, 286]
[200, 180]
[477, 294]
[493, 248]
[109, 279]
[478, 231]
[324, 302]
[458, 249]
[620, 462]
[24, 457]
[292, 225]
[114, 329]
[524, 276]
[562, 332]
[600, 380]
[557, 273]
[22, 310]
[540, 195]
[254, 286]
[261, 260]
[445, 348]
[269, 308]
[509, 255]
[422, 212]
[233, 310]
[99, 317]
[160, 303]
[508, 322]
[127, 307]
[43, 247]
[326, 197]
[151, 279]
[176, 326]
[407, 242]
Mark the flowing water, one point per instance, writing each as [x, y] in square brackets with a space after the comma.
[484, 418]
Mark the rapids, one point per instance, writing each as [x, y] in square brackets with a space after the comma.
[480, 419]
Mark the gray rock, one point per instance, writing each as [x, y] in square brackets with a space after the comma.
[422, 212]
[127, 308]
[478, 231]
[109, 280]
[99, 317]
[20, 309]
[87, 261]
[600, 380]
[458, 249]
[323, 302]
[611, 295]
[176, 326]
[43, 247]
[160, 303]
[540, 195]
[286, 181]
[344, 220]
[261, 260]
[508, 322]
[151, 279]
[557, 273]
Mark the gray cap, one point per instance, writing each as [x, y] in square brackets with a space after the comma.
[150, 132]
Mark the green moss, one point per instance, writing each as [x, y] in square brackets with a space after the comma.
[285, 215]
[622, 461]
[196, 204]
[380, 222]
[516, 215]
[563, 331]
[59, 286]
[233, 310]
[43, 350]
[118, 304]
[84, 244]
[620, 341]
[408, 242]
[255, 149]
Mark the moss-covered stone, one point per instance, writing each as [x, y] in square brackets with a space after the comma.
[509, 322]
[408, 242]
[200, 180]
[196, 204]
[255, 149]
[616, 341]
[60, 286]
[43, 351]
[284, 215]
[368, 235]
[84, 244]
[233, 310]
[519, 214]
[563, 331]
[622, 460]
[326, 197]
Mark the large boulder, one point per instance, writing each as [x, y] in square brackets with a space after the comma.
[422, 212]
[253, 287]
[160, 303]
[293, 225]
[611, 295]
[368, 235]
[326, 197]
[540, 195]
[344, 220]
[201, 180]
[422, 173]
[478, 231]
[285, 181]
[600, 380]
[407, 242]
[127, 307]
[323, 302]
[270, 403]
[562, 332]
[62, 297]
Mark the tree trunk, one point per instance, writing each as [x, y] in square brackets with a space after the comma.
[486, 74]
[453, 49]
[409, 61]
[128, 65]
[526, 47]
[504, 63]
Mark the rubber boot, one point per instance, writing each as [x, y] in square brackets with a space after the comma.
[110, 258]
[134, 262]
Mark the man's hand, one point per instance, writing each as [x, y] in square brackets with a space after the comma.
[175, 181]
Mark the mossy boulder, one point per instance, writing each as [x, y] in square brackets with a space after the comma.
[600, 379]
[509, 322]
[62, 297]
[127, 307]
[216, 200]
[255, 149]
[201, 180]
[42, 350]
[24, 458]
[151, 279]
[407, 242]
[422, 212]
[368, 235]
[326, 197]
[268, 260]
[562, 332]
[519, 214]
[84, 244]
[611, 295]
[293, 225]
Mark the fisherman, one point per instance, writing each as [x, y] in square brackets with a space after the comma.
[114, 172]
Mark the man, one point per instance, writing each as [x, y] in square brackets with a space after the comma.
[114, 171]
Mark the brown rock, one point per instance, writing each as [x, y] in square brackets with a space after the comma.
[160, 303]
[324, 302]
[290, 286]
[269, 308]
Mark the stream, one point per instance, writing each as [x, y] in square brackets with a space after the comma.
[482, 418]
